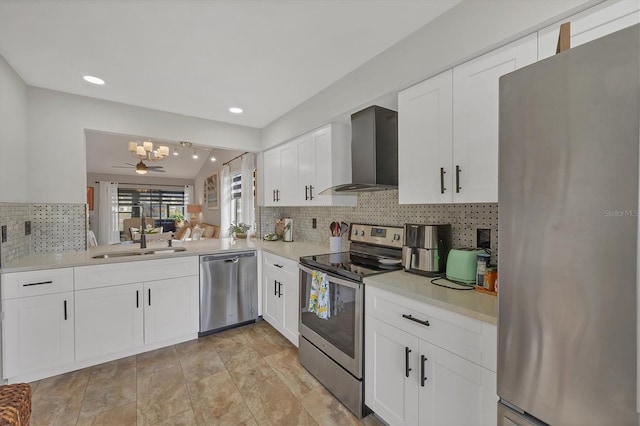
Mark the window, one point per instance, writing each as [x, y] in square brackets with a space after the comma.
[157, 204]
[236, 197]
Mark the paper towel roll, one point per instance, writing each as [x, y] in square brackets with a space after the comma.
[288, 229]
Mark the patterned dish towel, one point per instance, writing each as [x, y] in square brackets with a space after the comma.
[319, 295]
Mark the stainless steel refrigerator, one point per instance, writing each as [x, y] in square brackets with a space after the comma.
[568, 235]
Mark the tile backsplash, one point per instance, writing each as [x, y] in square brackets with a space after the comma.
[54, 228]
[382, 208]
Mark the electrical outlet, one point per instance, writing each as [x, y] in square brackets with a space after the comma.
[314, 223]
[27, 227]
[483, 238]
[4, 233]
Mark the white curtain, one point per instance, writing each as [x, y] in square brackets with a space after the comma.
[225, 201]
[248, 198]
[189, 198]
[108, 232]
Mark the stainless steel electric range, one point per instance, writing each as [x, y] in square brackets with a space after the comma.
[331, 348]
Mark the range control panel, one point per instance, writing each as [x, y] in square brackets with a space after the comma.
[391, 236]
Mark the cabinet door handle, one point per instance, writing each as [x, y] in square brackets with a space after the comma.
[275, 287]
[411, 318]
[65, 310]
[458, 170]
[279, 289]
[149, 297]
[137, 298]
[407, 351]
[274, 195]
[423, 378]
[306, 192]
[277, 195]
[277, 266]
[311, 192]
[40, 283]
[442, 188]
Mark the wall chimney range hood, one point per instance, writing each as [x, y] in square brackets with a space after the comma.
[374, 152]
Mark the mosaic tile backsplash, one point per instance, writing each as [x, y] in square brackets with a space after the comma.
[54, 228]
[382, 208]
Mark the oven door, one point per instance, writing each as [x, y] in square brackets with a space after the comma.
[340, 335]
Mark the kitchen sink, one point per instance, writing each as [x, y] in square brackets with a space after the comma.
[164, 250]
[139, 253]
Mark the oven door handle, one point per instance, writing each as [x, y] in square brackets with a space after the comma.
[334, 279]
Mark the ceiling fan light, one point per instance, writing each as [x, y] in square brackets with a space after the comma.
[141, 171]
[133, 147]
[148, 146]
[141, 168]
[163, 150]
[140, 151]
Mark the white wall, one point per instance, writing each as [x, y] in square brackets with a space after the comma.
[13, 135]
[57, 160]
[467, 30]
[213, 216]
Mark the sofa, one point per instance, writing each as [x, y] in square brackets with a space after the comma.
[208, 231]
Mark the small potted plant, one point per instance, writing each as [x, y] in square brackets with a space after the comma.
[178, 218]
[239, 230]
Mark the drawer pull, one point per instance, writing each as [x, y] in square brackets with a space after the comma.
[409, 317]
[407, 351]
[40, 283]
[277, 266]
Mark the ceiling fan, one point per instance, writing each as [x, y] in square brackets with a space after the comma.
[142, 168]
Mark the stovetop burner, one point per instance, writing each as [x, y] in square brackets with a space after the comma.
[369, 244]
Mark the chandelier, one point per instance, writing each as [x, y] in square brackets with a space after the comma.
[147, 152]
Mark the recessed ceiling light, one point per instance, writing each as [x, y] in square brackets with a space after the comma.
[195, 154]
[236, 110]
[93, 80]
[175, 151]
[212, 157]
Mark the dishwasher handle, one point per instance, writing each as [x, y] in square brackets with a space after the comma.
[228, 257]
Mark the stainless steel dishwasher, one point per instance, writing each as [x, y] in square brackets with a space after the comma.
[228, 290]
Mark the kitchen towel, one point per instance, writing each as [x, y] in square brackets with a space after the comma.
[319, 295]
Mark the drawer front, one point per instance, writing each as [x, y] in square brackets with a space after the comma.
[281, 264]
[36, 283]
[87, 277]
[448, 330]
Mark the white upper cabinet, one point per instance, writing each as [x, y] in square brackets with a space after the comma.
[271, 176]
[593, 23]
[296, 172]
[448, 129]
[475, 119]
[425, 141]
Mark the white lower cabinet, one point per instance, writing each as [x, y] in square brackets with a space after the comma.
[411, 381]
[170, 309]
[37, 333]
[280, 297]
[109, 320]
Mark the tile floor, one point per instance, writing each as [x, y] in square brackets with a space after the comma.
[245, 376]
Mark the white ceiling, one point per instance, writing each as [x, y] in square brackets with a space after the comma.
[199, 58]
[105, 150]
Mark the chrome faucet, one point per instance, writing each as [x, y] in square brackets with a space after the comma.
[143, 228]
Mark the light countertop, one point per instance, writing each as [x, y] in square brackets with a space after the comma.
[291, 250]
[471, 303]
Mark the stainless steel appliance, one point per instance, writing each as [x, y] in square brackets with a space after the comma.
[569, 128]
[374, 152]
[426, 248]
[332, 349]
[228, 290]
